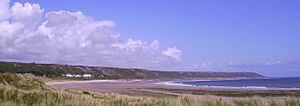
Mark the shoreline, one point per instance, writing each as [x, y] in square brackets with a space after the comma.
[175, 83]
[154, 87]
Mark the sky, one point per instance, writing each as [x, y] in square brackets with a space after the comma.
[197, 35]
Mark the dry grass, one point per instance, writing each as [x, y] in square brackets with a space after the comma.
[24, 90]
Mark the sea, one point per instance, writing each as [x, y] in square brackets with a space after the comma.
[290, 82]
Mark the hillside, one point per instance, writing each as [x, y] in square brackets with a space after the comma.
[56, 70]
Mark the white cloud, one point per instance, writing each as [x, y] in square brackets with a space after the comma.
[4, 10]
[29, 34]
[155, 44]
[174, 53]
[28, 14]
[273, 63]
[131, 45]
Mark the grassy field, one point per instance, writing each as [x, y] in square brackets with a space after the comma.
[28, 90]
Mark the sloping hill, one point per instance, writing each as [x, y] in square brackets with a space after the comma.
[56, 70]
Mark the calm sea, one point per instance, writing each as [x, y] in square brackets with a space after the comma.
[268, 82]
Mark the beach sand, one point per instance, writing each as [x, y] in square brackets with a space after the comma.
[140, 88]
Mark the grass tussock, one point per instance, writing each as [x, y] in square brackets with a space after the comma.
[28, 90]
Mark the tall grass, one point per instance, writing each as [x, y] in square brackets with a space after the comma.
[28, 90]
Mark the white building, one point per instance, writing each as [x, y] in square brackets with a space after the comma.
[68, 75]
[87, 75]
[78, 75]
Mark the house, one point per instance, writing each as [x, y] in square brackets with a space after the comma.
[86, 75]
[72, 75]
[78, 75]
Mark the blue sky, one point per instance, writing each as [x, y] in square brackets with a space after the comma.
[212, 35]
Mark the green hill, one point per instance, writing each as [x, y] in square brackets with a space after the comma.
[56, 70]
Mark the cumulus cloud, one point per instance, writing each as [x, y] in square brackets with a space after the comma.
[173, 53]
[27, 14]
[155, 44]
[29, 34]
[4, 10]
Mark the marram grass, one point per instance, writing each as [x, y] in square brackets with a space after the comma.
[28, 90]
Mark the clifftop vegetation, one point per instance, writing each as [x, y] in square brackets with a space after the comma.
[56, 70]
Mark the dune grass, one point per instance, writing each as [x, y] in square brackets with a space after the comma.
[28, 90]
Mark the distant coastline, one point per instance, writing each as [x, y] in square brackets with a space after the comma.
[96, 72]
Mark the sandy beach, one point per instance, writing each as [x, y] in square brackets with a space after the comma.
[141, 87]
